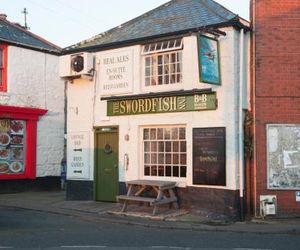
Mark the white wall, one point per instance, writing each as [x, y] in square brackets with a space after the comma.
[33, 81]
[92, 111]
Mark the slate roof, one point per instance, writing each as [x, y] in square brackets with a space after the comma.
[15, 34]
[171, 17]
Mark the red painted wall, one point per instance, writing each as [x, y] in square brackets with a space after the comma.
[275, 86]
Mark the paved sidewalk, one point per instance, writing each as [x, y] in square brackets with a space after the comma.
[54, 202]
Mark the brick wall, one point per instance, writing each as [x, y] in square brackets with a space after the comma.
[276, 92]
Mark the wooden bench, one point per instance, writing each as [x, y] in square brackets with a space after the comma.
[164, 193]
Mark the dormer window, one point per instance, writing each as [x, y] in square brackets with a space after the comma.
[163, 62]
[3, 68]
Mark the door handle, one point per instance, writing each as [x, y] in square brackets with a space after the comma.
[116, 165]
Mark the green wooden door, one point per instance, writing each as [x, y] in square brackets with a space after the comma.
[106, 164]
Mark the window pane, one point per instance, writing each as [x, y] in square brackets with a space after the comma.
[160, 133]
[176, 171]
[148, 72]
[175, 146]
[153, 170]
[179, 56]
[178, 69]
[153, 158]
[146, 134]
[165, 45]
[161, 171]
[154, 146]
[181, 133]
[173, 57]
[160, 80]
[182, 146]
[168, 171]
[161, 158]
[147, 158]
[167, 133]
[167, 79]
[161, 147]
[153, 81]
[147, 81]
[168, 146]
[174, 133]
[146, 48]
[160, 70]
[148, 61]
[159, 58]
[182, 171]
[173, 78]
[158, 46]
[171, 43]
[178, 42]
[147, 146]
[168, 159]
[172, 68]
[182, 159]
[152, 46]
[166, 58]
[147, 170]
[152, 133]
[175, 159]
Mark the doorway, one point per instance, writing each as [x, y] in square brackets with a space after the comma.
[106, 164]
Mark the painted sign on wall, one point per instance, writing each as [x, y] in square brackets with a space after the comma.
[78, 156]
[116, 72]
[209, 156]
[165, 104]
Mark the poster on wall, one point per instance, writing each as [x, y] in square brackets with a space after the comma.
[209, 156]
[78, 164]
[209, 60]
[12, 146]
[283, 156]
[116, 72]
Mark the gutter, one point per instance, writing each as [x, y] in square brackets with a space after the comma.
[240, 127]
[22, 45]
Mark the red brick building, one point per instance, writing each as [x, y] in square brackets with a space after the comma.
[275, 166]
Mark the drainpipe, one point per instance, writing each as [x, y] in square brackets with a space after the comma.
[241, 127]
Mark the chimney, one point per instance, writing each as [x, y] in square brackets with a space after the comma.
[3, 16]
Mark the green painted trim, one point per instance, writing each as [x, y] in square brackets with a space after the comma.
[115, 129]
[200, 63]
[164, 104]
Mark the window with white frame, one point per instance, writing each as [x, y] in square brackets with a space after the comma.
[164, 151]
[163, 62]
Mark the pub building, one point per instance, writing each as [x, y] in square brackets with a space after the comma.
[160, 97]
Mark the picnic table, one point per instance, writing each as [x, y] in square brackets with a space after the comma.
[138, 190]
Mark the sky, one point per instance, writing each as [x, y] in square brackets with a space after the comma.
[66, 22]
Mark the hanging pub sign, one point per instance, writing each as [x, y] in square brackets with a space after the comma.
[209, 60]
[162, 104]
[209, 156]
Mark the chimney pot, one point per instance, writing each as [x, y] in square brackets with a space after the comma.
[3, 16]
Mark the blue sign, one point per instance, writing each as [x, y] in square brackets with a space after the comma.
[209, 60]
[298, 196]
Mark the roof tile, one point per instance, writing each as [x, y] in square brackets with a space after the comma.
[173, 16]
